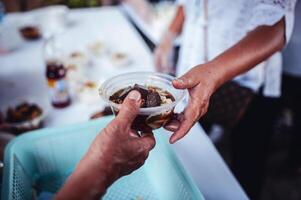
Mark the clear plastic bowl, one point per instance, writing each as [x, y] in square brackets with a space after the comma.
[151, 118]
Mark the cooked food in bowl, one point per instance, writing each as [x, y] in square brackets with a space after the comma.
[23, 112]
[159, 97]
[22, 117]
[151, 96]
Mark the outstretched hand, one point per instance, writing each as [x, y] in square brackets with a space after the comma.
[200, 84]
[116, 152]
[118, 145]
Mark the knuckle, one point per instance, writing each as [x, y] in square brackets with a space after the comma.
[205, 101]
[196, 112]
[131, 106]
[113, 127]
[205, 109]
[145, 155]
[126, 106]
[140, 149]
[150, 143]
[126, 115]
[199, 108]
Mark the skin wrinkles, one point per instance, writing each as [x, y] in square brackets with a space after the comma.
[116, 152]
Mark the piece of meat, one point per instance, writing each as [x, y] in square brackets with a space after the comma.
[153, 99]
[142, 90]
[124, 93]
[150, 97]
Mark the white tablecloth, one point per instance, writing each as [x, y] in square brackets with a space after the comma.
[22, 73]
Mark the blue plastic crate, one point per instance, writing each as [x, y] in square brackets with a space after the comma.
[41, 161]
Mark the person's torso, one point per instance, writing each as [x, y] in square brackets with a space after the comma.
[205, 36]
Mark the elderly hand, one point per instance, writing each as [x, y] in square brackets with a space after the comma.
[116, 152]
[163, 54]
[201, 83]
[118, 146]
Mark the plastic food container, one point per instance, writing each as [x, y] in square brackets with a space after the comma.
[150, 118]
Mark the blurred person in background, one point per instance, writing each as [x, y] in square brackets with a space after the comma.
[115, 152]
[291, 89]
[230, 57]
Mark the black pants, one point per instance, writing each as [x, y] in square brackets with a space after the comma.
[291, 90]
[250, 142]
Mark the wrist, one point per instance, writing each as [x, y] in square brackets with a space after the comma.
[214, 77]
[90, 182]
[219, 70]
[97, 175]
[103, 167]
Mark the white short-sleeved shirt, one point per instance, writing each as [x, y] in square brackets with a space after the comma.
[227, 23]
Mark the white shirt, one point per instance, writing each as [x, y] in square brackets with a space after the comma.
[291, 55]
[227, 23]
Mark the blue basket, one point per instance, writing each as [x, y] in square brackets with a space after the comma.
[41, 161]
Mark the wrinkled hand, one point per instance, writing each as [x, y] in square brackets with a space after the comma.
[118, 147]
[116, 152]
[163, 54]
[201, 84]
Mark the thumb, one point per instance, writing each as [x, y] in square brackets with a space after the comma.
[129, 108]
[188, 80]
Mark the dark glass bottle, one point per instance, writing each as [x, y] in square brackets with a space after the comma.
[56, 75]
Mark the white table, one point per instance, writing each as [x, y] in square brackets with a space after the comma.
[22, 73]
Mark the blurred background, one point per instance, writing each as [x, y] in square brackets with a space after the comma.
[14, 6]
[67, 30]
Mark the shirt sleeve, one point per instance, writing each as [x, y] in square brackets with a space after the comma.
[269, 12]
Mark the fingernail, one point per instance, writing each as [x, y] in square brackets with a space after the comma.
[179, 81]
[134, 95]
[173, 126]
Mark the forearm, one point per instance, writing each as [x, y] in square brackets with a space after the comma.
[256, 47]
[87, 182]
[176, 25]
